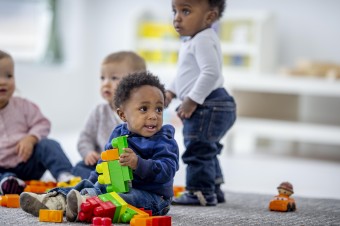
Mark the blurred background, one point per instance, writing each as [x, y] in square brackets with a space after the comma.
[281, 63]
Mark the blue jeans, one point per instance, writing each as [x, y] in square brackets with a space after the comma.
[135, 197]
[47, 155]
[202, 134]
[82, 170]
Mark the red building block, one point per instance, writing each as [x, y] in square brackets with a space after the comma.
[105, 209]
[147, 211]
[95, 207]
[87, 208]
[161, 221]
[101, 221]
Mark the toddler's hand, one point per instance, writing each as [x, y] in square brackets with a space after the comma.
[91, 158]
[25, 147]
[168, 98]
[186, 109]
[129, 158]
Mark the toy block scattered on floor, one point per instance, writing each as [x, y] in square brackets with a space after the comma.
[149, 212]
[101, 221]
[73, 182]
[106, 205]
[109, 205]
[46, 215]
[10, 200]
[118, 202]
[87, 209]
[151, 221]
[131, 212]
[178, 190]
[37, 186]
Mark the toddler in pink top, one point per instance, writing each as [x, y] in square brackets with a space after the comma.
[25, 151]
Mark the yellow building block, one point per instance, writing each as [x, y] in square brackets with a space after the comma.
[104, 174]
[121, 202]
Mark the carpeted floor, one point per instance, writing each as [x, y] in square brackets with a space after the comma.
[240, 209]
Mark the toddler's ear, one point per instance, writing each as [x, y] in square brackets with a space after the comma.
[212, 16]
[121, 114]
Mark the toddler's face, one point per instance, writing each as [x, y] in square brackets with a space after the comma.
[143, 112]
[111, 74]
[191, 16]
[7, 83]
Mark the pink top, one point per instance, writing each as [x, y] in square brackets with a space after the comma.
[17, 120]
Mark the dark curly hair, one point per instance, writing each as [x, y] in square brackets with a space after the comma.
[219, 4]
[135, 80]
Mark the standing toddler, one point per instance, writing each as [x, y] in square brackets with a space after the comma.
[207, 110]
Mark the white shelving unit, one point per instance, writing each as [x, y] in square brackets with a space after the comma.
[248, 41]
[248, 129]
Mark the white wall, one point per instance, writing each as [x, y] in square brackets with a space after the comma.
[306, 28]
[91, 29]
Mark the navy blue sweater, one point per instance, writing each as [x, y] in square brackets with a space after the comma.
[157, 159]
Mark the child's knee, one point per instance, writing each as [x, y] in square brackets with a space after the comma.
[48, 144]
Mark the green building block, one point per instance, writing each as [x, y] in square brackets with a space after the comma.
[121, 143]
[120, 204]
[118, 184]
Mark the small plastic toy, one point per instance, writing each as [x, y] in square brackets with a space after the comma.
[73, 182]
[95, 207]
[151, 221]
[46, 215]
[283, 202]
[311, 68]
[132, 212]
[101, 221]
[178, 190]
[38, 186]
[10, 200]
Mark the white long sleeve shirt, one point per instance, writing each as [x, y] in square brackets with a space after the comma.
[199, 69]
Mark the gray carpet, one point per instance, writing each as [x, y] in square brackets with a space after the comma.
[240, 209]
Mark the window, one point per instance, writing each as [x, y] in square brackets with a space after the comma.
[27, 29]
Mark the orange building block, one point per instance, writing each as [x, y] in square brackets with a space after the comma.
[151, 221]
[37, 186]
[46, 215]
[110, 155]
[10, 200]
[178, 190]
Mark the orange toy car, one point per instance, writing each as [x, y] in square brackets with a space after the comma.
[283, 202]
